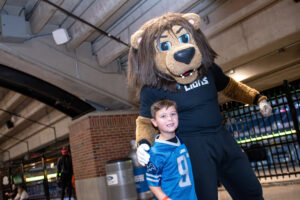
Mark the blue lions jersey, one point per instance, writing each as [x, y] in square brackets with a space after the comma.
[170, 168]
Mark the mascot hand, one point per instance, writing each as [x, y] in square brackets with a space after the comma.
[142, 154]
[265, 108]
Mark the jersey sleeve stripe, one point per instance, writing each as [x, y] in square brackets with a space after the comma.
[152, 180]
[153, 176]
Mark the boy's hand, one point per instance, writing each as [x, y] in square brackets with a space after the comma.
[142, 154]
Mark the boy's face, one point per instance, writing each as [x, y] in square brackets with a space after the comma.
[166, 120]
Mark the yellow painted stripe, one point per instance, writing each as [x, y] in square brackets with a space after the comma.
[264, 137]
[38, 178]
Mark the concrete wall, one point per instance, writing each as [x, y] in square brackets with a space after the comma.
[92, 188]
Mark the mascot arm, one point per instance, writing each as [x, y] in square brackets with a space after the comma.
[242, 93]
[145, 132]
[236, 91]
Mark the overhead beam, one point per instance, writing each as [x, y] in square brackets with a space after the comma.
[256, 34]
[43, 91]
[59, 16]
[10, 102]
[42, 14]
[30, 114]
[2, 3]
[78, 12]
[236, 17]
[36, 135]
[269, 63]
[96, 14]
[3, 92]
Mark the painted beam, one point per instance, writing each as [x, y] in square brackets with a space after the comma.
[265, 31]
[2, 3]
[78, 11]
[237, 17]
[50, 119]
[59, 17]
[37, 136]
[41, 15]
[9, 103]
[96, 14]
[33, 111]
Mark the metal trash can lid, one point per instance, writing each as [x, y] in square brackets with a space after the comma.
[118, 160]
[118, 164]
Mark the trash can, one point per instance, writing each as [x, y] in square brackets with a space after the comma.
[120, 180]
[142, 189]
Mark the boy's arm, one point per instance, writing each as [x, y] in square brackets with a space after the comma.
[157, 191]
[153, 175]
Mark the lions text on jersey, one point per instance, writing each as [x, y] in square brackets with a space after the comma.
[170, 168]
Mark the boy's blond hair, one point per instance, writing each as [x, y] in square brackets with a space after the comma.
[160, 104]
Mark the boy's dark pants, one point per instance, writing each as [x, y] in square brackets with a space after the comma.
[216, 156]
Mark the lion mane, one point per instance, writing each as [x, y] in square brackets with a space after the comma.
[142, 70]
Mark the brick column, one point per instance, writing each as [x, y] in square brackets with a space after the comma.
[95, 139]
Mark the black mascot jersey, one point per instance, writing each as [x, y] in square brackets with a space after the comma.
[198, 108]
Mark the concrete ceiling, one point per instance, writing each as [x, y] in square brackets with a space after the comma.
[90, 65]
[27, 125]
[259, 40]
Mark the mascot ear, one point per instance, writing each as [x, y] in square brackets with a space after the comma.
[193, 19]
[136, 39]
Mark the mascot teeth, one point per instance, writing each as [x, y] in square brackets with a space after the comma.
[188, 73]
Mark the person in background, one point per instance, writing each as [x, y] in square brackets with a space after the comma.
[22, 194]
[13, 193]
[65, 172]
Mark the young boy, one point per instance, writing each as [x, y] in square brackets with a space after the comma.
[169, 171]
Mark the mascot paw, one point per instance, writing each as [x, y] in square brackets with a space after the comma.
[265, 108]
[142, 154]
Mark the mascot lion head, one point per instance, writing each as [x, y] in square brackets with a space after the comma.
[168, 50]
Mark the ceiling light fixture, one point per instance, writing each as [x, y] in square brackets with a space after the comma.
[231, 71]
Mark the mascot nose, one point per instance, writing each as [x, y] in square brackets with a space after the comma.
[185, 55]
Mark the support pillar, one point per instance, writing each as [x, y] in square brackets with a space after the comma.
[95, 139]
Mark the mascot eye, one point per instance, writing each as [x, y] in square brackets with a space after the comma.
[165, 46]
[185, 38]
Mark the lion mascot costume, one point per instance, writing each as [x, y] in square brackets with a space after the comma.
[170, 58]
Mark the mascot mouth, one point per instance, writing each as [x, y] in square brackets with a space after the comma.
[187, 73]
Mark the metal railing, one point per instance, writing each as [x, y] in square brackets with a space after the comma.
[271, 143]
